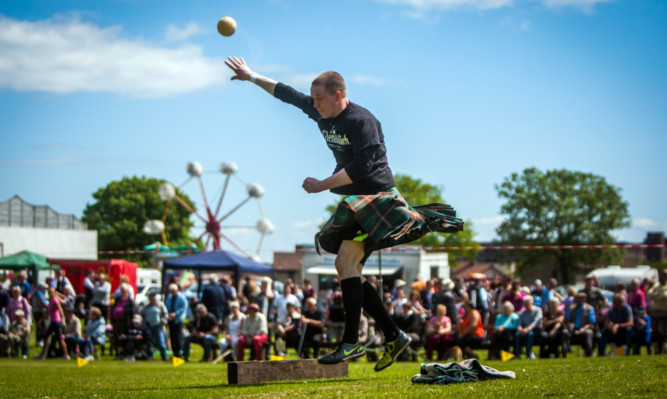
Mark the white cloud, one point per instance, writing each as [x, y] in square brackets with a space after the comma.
[649, 224]
[67, 55]
[176, 34]
[585, 5]
[307, 224]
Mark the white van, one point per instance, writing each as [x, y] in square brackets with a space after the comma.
[611, 275]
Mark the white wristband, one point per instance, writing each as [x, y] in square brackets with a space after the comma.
[253, 77]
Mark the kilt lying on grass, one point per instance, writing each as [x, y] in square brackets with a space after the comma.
[384, 220]
[470, 370]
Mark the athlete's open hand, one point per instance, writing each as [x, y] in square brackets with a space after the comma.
[242, 71]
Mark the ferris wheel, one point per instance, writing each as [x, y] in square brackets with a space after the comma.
[212, 219]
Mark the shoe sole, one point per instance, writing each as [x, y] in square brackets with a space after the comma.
[346, 358]
[393, 359]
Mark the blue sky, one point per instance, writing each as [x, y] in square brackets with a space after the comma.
[468, 91]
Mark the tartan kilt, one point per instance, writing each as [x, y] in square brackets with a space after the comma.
[387, 219]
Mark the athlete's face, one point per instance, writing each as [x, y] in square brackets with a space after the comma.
[327, 104]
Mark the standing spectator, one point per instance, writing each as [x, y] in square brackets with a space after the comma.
[16, 302]
[479, 297]
[418, 284]
[233, 328]
[552, 324]
[427, 295]
[60, 282]
[538, 293]
[499, 293]
[230, 295]
[658, 297]
[39, 306]
[642, 331]
[580, 322]
[594, 296]
[438, 334]
[95, 332]
[56, 315]
[72, 329]
[4, 300]
[177, 306]
[255, 333]
[250, 290]
[636, 297]
[102, 294]
[529, 327]
[618, 326]
[312, 319]
[121, 318]
[445, 296]
[471, 330]
[265, 300]
[213, 297]
[515, 295]
[280, 302]
[550, 292]
[89, 286]
[504, 330]
[17, 336]
[124, 279]
[24, 286]
[204, 332]
[308, 289]
[155, 317]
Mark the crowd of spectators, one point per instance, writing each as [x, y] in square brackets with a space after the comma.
[443, 317]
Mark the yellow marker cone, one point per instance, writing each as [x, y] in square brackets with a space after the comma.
[80, 362]
[177, 361]
[505, 356]
[618, 351]
[274, 357]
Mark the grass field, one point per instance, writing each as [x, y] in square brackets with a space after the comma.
[633, 376]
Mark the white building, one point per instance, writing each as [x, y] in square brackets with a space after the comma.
[405, 263]
[41, 230]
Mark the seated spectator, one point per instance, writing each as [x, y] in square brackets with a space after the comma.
[658, 297]
[618, 326]
[569, 299]
[410, 323]
[136, 341]
[94, 333]
[16, 337]
[579, 325]
[529, 327]
[155, 317]
[471, 330]
[504, 330]
[204, 332]
[255, 333]
[335, 318]
[56, 316]
[292, 328]
[642, 331]
[636, 297]
[121, 318]
[445, 296]
[72, 329]
[416, 300]
[312, 320]
[552, 326]
[438, 333]
[233, 329]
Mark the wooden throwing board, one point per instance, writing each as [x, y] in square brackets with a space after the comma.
[258, 372]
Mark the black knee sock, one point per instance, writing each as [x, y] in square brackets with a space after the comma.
[375, 308]
[353, 295]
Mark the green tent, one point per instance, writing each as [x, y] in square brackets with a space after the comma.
[26, 260]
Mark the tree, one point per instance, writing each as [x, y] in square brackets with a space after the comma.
[121, 209]
[560, 207]
[417, 192]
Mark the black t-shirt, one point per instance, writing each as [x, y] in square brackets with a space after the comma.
[316, 315]
[356, 140]
[206, 323]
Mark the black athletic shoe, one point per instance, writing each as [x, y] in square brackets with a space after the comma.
[342, 353]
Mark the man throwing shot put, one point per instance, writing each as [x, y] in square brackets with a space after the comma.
[372, 214]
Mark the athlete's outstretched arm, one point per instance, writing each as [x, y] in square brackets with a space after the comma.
[243, 72]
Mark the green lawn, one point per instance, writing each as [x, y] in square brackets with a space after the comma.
[632, 376]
